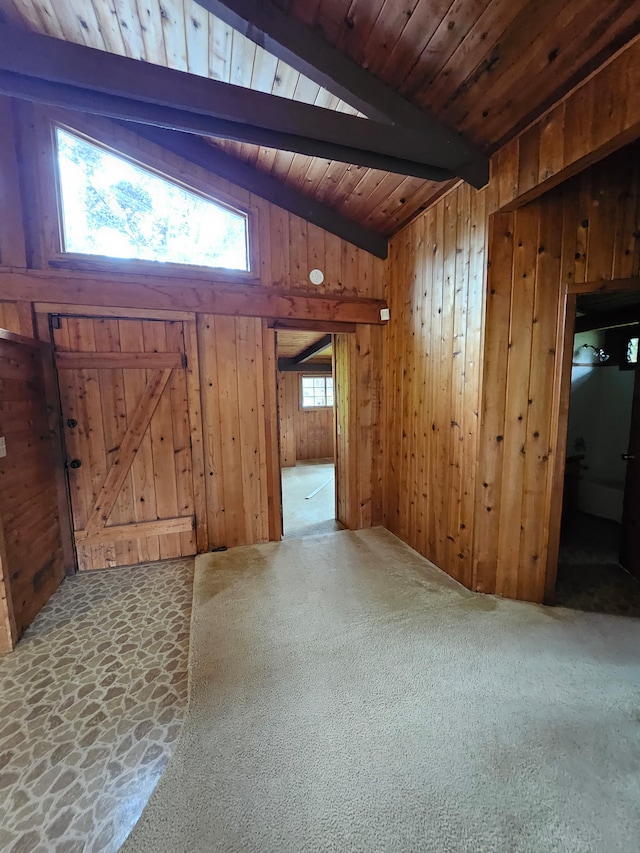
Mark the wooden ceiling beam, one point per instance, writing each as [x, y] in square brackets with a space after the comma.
[184, 294]
[47, 70]
[314, 349]
[312, 326]
[199, 152]
[270, 27]
[290, 365]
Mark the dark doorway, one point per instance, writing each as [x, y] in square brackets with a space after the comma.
[597, 565]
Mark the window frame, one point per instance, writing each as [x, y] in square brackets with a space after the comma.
[325, 376]
[56, 257]
[616, 341]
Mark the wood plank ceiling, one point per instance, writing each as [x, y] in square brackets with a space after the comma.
[485, 69]
[291, 343]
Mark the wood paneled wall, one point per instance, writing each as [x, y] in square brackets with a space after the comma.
[17, 317]
[304, 433]
[233, 410]
[589, 123]
[469, 476]
[12, 233]
[357, 360]
[432, 380]
[237, 367]
[586, 230]
[32, 557]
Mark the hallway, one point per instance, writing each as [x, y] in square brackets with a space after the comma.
[308, 499]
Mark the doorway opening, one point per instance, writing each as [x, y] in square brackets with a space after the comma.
[307, 429]
[598, 555]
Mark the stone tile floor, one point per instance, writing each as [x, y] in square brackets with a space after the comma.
[91, 703]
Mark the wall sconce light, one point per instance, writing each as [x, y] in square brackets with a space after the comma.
[600, 355]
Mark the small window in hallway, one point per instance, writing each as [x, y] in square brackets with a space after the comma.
[632, 351]
[317, 392]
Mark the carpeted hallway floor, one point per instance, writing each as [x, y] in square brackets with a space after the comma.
[346, 696]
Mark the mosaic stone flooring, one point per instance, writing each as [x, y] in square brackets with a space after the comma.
[91, 702]
[589, 577]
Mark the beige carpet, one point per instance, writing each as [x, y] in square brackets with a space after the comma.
[346, 696]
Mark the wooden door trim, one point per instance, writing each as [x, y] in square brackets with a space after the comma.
[606, 286]
[52, 391]
[559, 428]
[194, 402]
[96, 311]
[7, 619]
[123, 459]
[562, 396]
[272, 432]
[627, 558]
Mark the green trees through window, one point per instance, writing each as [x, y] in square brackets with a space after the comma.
[114, 208]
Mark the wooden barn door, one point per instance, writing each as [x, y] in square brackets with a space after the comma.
[124, 401]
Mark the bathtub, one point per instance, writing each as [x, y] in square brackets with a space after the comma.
[600, 495]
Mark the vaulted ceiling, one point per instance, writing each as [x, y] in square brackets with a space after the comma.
[483, 68]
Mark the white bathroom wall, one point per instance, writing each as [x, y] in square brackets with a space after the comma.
[599, 423]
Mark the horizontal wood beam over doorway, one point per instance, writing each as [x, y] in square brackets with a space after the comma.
[184, 294]
[290, 365]
[312, 326]
[604, 286]
[39, 68]
[199, 152]
[270, 27]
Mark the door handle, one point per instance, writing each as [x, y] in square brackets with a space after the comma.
[627, 457]
[75, 463]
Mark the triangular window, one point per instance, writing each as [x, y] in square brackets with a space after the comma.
[114, 208]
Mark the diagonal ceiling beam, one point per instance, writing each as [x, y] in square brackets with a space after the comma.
[202, 154]
[314, 349]
[304, 49]
[48, 70]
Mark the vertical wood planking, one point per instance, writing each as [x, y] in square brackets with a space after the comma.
[31, 554]
[177, 394]
[432, 379]
[142, 475]
[233, 383]
[12, 236]
[539, 443]
[114, 420]
[272, 449]
[583, 231]
[196, 436]
[304, 433]
[519, 364]
[162, 447]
